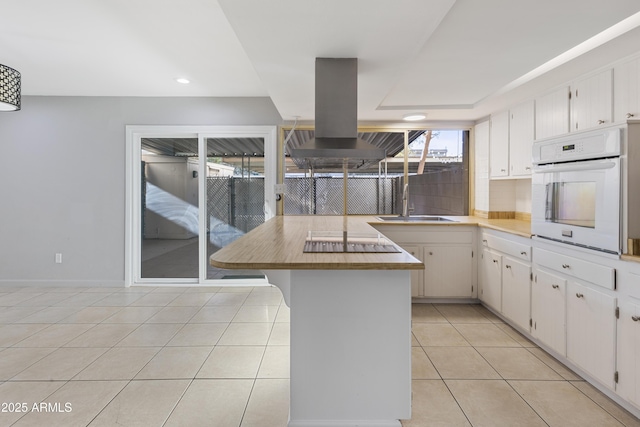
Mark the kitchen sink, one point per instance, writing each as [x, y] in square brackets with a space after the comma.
[415, 218]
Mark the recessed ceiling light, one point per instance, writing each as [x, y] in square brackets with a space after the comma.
[412, 117]
[183, 81]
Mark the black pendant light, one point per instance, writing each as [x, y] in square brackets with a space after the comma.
[9, 89]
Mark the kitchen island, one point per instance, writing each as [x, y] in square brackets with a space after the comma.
[350, 320]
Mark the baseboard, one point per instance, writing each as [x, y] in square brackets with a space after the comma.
[50, 283]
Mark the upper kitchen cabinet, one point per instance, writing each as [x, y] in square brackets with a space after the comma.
[626, 91]
[511, 137]
[592, 101]
[552, 113]
[499, 145]
[521, 135]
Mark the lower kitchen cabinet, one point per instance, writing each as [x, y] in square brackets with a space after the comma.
[448, 271]
[505, 276]
[548, 310]
[417, 276]
[591, 331]
[448, 254]
[516, 291]
[628, 386]
[490, 279]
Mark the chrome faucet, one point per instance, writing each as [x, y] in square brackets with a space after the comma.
[406, 210]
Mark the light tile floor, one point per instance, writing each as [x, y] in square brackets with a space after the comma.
[205, 356]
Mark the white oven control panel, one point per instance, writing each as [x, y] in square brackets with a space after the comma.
[590, 145]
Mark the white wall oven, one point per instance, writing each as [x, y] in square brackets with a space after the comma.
[575, 196]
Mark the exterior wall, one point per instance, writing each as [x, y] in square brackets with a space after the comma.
[63, 179]
[438, 193]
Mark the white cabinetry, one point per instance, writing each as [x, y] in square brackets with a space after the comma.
[548, 310]
[499, 145]
[448, 254]
[590, 310]
[447, 271]
[521, 136]
[629, 352]
[490, 279]
[417, 276]
[505, 271]
[552, 113]
[592, 101]
[626, 91]
[511, 137]
[591, 331]
[516, 291]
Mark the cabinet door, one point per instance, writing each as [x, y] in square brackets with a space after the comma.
[591, 331]
[448, 271]
[629, 352]
[591, 101]
[499, 145]
[552, 113]
[417, 276]
[521, 132]
[626, 91]
[516, 291]
[491, 279]
[548, 310]
[482, 166]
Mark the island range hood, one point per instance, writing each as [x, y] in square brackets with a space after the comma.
[336, 120]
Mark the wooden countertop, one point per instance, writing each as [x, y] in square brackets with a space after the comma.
[513, 226]
[278, 245]
[630, 258]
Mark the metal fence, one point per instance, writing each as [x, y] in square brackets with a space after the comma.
[238, 202]
[324, 195]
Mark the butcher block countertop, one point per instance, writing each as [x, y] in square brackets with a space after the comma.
[278, 244]
[513, 226]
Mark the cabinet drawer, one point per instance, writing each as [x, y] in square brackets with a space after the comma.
[584, 270]
[513, 249]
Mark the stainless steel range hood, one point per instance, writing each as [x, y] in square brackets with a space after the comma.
[336, 123]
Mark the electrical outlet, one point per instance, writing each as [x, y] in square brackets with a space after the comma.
[58, 258]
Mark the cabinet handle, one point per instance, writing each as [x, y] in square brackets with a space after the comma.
[430, 253]
[635, 318]
[555, 286]
[580, 295]
[484, 240]
[495, 260]
[527, 168]
[523, 253]
[566, 266]
[601, 122]
[629, 115]
[507, 266]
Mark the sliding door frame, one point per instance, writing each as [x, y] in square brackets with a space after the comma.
[134, 135]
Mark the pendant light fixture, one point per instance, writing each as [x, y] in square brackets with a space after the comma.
[9, 89]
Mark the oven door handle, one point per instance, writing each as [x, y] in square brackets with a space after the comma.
[578, 166]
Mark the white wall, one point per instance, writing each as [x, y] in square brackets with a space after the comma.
[62, 174]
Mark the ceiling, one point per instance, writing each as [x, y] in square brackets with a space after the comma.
[452, 59]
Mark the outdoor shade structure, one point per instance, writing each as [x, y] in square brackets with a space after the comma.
[9, 89]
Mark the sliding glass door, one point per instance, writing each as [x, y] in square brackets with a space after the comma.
[169, 208]
[192, 191]
[235, 196]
